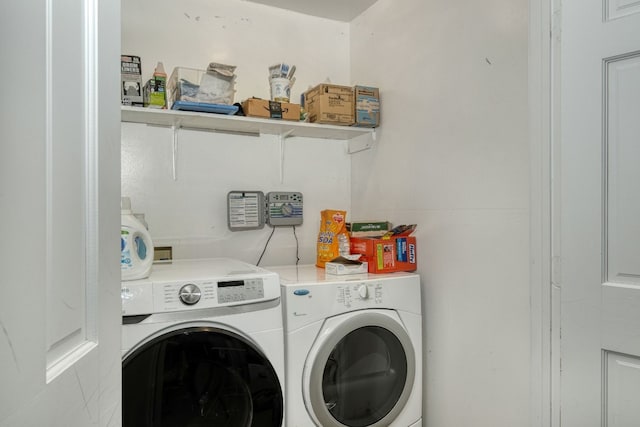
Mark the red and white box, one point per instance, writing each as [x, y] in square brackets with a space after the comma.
[397, 253]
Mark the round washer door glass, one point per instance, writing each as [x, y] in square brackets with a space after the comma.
[200, 377]
[365, 378]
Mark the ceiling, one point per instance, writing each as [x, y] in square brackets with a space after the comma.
[338, 10]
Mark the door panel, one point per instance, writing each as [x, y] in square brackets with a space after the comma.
[622, 97]
[599, 213]
[619, 8]
[67, 190]
[621, 318]
[60, 318]
[622, 382]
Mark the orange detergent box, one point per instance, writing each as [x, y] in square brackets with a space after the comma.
[397, 253]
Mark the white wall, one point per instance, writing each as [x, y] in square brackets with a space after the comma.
[452, 157]
[190, 213]
[192, 33]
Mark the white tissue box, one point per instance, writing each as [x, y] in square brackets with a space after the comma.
[342, 266]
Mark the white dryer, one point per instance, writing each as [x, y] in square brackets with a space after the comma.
[202, 344]
[353, 348]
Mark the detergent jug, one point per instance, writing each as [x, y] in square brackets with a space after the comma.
[136, 247]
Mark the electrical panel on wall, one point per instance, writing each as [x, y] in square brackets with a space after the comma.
[245, 210]
[284, 208]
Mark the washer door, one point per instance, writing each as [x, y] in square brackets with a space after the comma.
[200, 377]
[360, 370]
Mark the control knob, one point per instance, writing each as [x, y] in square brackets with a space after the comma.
[190, 294]
[363, 292]
[286, 209]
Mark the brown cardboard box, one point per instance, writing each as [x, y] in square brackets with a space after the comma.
[256, 107]
[326, 88]
[330, 104]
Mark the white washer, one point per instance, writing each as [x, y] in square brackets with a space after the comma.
[353, 348]
[202, 344]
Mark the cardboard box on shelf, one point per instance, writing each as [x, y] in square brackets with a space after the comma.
[256, 107]
[330, 104]
[131, 80]
[345, 92]
[367, 106]
[398, 253]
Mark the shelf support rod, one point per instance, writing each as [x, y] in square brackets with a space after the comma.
[283, 137]
[174, 151]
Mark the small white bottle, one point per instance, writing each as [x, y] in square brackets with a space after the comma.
[136, 246]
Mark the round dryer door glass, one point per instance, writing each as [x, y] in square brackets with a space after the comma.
[200, 377]
[364, 376]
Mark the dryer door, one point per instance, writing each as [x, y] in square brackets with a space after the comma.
[200, 376]
[360, 370]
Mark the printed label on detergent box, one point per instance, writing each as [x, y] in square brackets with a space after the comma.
[385, 256]
[401, 249]
[412, 253]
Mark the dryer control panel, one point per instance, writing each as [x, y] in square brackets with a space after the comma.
[361, 294]
[310, 295]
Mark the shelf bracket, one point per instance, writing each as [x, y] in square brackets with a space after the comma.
[361, 143]
[283, 136]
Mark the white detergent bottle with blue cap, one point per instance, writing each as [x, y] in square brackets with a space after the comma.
[136, 247]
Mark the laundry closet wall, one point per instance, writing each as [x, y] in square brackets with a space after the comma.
[189, 213]
[452, 157]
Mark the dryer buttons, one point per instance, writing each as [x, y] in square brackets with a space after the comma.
[190, 294]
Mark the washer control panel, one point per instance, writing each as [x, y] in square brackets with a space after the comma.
[197, 284]
[200, 294]
[240, 290]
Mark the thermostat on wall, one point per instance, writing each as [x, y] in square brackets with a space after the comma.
[245, 210]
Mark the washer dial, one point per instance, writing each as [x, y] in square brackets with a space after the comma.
[190, 294]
